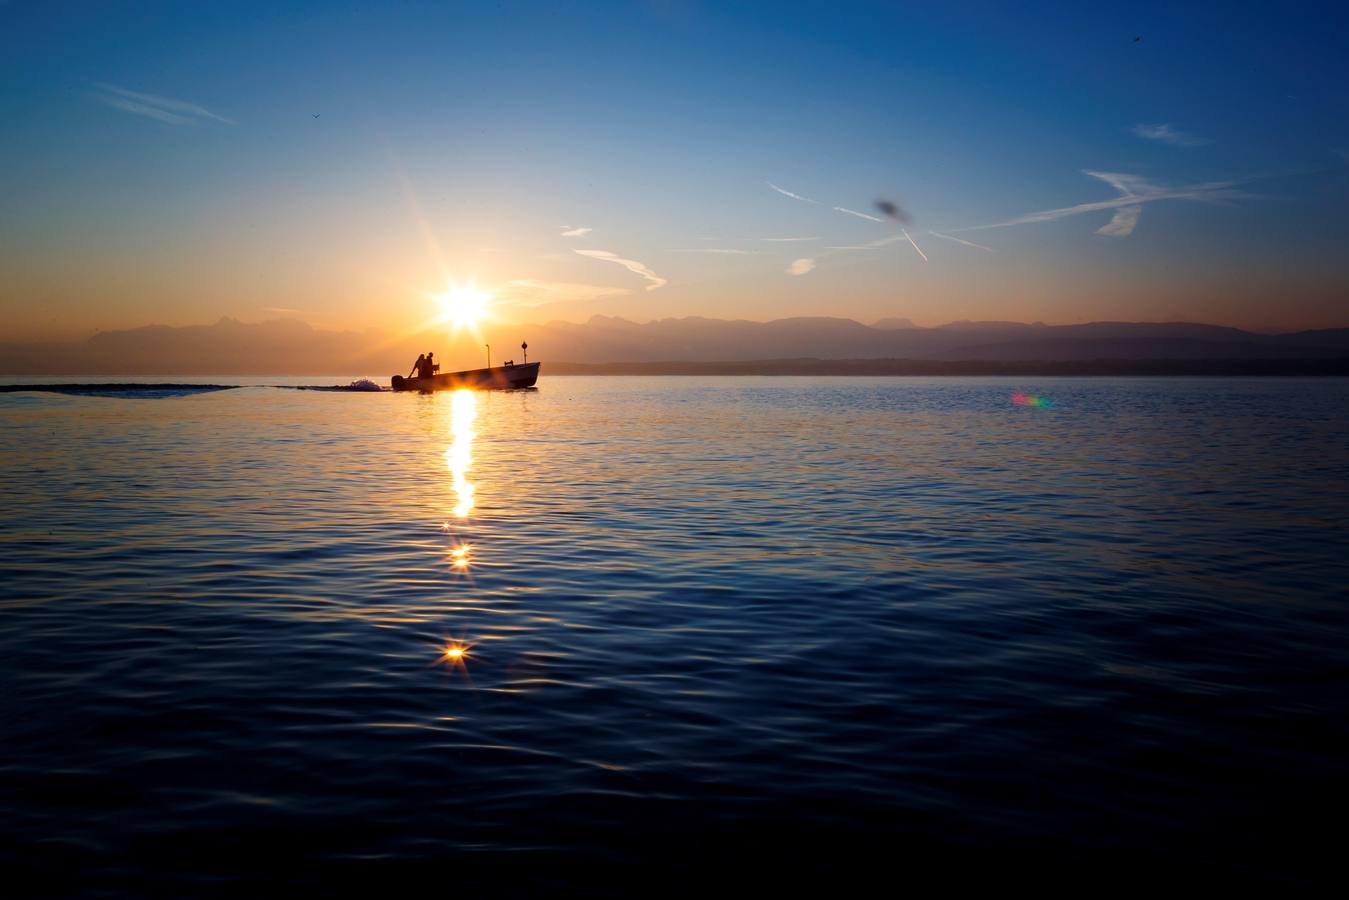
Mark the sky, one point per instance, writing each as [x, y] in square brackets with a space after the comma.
[345, 163]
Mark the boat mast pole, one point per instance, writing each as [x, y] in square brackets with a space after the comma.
[489, 355]
[524, 345]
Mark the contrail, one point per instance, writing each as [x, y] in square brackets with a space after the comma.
[869, 245]
[728, 251]
[843, 209]
[915, 246]
[961, 241]
[853, 212]
[1134, 192]
[165, 109]
[787, 193]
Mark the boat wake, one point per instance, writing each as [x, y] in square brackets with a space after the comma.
[360, 386]
[129, 390]
[144, 391]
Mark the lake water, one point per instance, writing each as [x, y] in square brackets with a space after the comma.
[769, 631]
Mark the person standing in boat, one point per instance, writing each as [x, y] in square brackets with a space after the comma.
[429, 365]
[417, 366]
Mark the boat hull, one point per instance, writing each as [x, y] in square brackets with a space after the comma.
[498, 378]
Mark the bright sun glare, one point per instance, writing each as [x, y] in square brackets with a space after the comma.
[464, 307]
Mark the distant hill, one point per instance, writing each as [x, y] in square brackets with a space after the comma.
[291, 347]
[1021, 368]
[606, 339]
[228, 347]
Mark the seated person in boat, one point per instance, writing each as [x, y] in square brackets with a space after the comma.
[426, 366]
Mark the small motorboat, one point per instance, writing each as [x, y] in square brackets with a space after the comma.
[509, 377]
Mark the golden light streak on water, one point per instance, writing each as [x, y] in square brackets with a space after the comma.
[459, 456]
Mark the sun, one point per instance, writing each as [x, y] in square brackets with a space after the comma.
[463, 307]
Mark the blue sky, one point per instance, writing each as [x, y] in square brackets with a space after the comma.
[163, 162]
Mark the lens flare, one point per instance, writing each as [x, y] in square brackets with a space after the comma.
[1020, 398]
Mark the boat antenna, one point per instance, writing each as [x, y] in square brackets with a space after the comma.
[525, 347]
[489, 355]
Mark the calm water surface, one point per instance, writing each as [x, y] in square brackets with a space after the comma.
[804, 628]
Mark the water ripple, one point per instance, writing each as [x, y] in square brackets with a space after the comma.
[863, 623]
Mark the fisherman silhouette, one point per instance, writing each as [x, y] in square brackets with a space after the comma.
[417, 366]
[429, 365]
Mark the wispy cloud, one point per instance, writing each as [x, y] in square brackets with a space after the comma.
[792, 240]
[961, 241]
[631, 265]
[530, 292]
[801, 266]
[1134, 192]
[1122, 223]
[1163, 133]
[568, 231]
[153, 106]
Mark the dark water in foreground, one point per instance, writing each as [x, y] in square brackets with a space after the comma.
[813, 630]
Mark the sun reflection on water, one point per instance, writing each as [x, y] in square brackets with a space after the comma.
[459, 459]
[459, 456]
[455, 654]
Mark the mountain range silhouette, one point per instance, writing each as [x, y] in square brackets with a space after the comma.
[288, 346]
